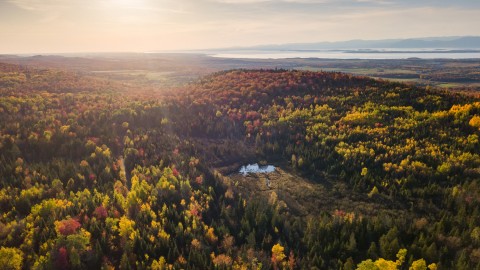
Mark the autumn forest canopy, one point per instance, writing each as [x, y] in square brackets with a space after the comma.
[98, 173]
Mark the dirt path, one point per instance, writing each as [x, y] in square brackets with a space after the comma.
[123, 172]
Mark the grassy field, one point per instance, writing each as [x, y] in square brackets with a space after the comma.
[305, 197]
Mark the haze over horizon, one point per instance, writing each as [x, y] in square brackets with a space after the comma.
[62, 26]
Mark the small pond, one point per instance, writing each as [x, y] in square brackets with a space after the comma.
[255, 168]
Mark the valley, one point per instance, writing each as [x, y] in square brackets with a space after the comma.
[239, 135]
[124, 170]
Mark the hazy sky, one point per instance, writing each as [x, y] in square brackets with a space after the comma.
[42, 26]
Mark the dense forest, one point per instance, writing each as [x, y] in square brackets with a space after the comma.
[98, 174]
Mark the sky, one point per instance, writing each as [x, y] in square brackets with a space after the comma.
[62, 26]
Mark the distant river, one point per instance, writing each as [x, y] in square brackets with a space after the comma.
[352, 54]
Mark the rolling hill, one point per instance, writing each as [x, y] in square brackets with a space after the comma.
[110, 176]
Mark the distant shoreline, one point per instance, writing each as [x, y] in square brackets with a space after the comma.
[349, 54]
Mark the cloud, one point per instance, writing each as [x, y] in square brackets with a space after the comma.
[335, 2]
[82, 25]
[356, 3]
[240, 1]
[40, 5]
[276, 1]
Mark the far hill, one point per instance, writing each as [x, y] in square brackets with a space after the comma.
[411, 43]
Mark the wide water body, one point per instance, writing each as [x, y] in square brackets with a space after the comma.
[339, 54]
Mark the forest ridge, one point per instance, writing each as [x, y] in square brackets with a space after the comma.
[95, 173]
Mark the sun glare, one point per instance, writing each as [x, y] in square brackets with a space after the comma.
[126, 11]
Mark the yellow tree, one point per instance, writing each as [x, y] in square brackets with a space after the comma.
[475, 121]
[278, 255]
[11, 258]
[418, 265]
